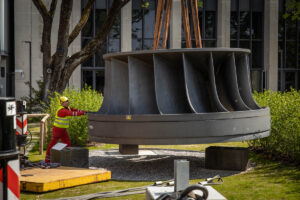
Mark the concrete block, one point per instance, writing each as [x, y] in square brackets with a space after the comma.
[127, 149]
[71, 156]
[181, 174]
[226, 158]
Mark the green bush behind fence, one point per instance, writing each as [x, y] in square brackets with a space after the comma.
[85, 99]
[284, 141]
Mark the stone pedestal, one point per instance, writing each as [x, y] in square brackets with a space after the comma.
[128, 149]
[226, 158]
[71, 156]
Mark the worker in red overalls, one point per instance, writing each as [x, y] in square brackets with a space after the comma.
[61, 123]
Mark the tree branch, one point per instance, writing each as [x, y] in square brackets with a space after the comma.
[52, 8]
[62, 38]
[39, 4]
[100, 38]
[82, 21]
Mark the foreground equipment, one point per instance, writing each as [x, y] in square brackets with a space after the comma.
[9, 162]
[185, 96]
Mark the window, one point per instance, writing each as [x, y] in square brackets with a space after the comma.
[289, 51]
[2, 72]
[93, 69]
[207, 15]
[143, 24]
[246, 31]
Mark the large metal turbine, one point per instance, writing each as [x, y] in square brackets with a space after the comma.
[186, 96]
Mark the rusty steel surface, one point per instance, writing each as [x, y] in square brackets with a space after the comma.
[185, 96]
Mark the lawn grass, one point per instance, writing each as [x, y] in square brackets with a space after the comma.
[269, 180]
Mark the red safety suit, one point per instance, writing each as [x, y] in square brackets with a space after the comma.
[61, 133]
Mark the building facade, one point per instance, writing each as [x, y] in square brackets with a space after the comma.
[253, 24]
[257, 25]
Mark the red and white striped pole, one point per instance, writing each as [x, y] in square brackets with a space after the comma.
[10, 173]
[21, 128]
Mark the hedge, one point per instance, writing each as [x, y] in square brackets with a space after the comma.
[284, 141]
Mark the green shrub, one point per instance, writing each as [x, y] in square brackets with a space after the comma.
[85, 99]
[284, 141]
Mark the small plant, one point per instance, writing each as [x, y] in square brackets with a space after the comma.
[85, 99]
[35, 104]
[284, 141]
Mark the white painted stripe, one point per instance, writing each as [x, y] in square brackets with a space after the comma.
[25, 129]
[11, 196]
[19, 130]
[14, 165]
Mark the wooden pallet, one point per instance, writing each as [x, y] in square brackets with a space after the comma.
[43, 180]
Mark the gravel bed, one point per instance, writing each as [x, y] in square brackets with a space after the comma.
[151, 164]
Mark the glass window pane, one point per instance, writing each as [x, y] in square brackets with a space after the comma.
[244, 25]
[281, 26]
[257, 25]
[99, 56]
[290, 78]
[291, 29]
[211, 5]
[280, 57]
[298, 84]
[291, 57]
[257, 5]
[101, 4]
[200, 15]
[87, 30]
[257, 55]
[245, 44]
[137, 17]
[279, 81]
[299, 51]
[281, 6]
[233, 43]
[114, 36]
[149, 22]
[210, 22]
[89, 62]
[244, 5]
[100, 16]
[234, 25]
[148, 44]
[256, 80]
[114, 45]
[209, 43]
[87, 77]
[100, 81]
[234, 5]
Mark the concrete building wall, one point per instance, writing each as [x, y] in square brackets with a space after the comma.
[223, 23]
[28, 31]
[271, 43]
[126, 27]
[175, 25]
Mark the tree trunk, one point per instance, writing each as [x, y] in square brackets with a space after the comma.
[58, 68]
